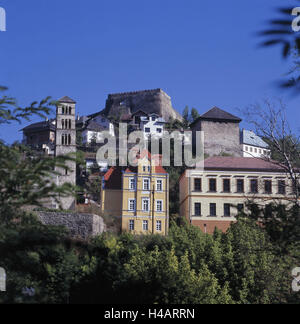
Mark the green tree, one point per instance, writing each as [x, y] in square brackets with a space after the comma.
[194, 114]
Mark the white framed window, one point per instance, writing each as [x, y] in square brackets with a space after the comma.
[146, 184]
[131, 183]
[159, 205]
[131, 204]
[145, 225]
[159, 185]
[158, 226]
[131, 225]
[146, 204]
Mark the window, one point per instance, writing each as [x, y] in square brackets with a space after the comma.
[255, 150]
[70, 110]
[213, 185]
[147, 130]
[240, 207]
[251, 149]
[146, 204]
[69, 137]
[159, 206]
[63, 140]
[227, 210]
[246, 148]
[197, 184]
[254, 186]
[197, 209]
[159, 186]
[146, 184]
[70, 124]
[158, 226]
[158, 130]
[226, 185]
[213, 209]
[63, 110]
[268, 186]
[131, 204]
[132, 183]
[62, 123]
[131, 225]
[281, 187]
[240, 185]
[145, 225]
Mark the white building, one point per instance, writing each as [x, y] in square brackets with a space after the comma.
[253, 145]
[149, 124]
[93, 128]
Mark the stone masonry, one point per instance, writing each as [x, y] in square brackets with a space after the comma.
[79, 225]
[150, 101]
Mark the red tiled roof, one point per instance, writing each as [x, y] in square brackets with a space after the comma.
[241, 163]
[113, 177]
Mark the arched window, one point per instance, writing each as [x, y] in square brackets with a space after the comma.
[69, 139]
[70, 124]
[63, 110]
[63, 140]
[62, 124]
[70, 110]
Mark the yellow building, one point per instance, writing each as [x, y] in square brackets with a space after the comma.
[212, 197]
[139, 196]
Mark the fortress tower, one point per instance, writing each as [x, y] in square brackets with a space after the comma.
[65, 143]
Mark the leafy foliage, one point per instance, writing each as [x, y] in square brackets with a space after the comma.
[280, 33]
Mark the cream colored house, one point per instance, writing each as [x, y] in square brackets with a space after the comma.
[138, 196]
[212, 197]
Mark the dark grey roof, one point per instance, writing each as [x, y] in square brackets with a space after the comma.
[41, 126]
[93, 126]
[218, 114]
[66, 99]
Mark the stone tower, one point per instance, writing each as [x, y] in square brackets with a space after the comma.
[65, 143]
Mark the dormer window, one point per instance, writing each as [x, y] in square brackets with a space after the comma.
[153, 118]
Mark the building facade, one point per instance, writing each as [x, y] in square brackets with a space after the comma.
[40, 136]
[214, 196]
[138, 196]
[65, 144]
[253, 145]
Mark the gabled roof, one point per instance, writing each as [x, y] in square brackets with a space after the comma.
[66, 99]
[217, 114]
[113, 177]
[140, 111]
[250, 138]
[93, 126]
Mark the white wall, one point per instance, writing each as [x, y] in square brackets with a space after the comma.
[255, 151]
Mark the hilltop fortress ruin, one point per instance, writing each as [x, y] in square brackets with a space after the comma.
[149, 101]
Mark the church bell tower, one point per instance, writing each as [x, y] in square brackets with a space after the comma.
[65, 143]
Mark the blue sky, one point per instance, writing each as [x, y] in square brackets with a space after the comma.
[202, 53]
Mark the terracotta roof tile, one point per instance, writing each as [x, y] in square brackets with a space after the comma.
[241, 163]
